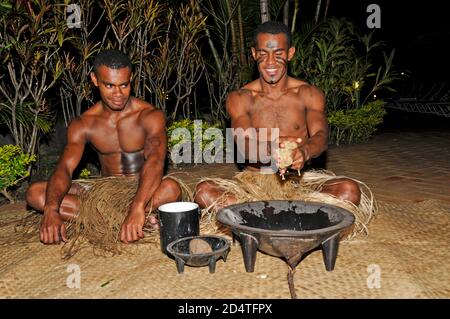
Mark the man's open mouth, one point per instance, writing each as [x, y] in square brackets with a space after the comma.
[271, 71]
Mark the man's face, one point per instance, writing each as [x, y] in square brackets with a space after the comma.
[114, 86]
[272, 56]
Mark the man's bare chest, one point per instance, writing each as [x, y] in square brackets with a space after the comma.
[110, 137]
[283, 114]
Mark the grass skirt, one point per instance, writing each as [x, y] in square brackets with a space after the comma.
[104, 204]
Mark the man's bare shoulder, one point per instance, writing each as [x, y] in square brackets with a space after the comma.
[244, 94]
[142, 105]
[294, 83]
[78, 128]
[311, 95]
[90, 115]
[150, 116]
[302, 87]
[254, 88]
[76, 123]
[152, 113]
[239, 101]
[94, 110]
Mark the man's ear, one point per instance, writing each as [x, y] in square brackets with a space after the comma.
[253, 53]
[94, 78]
[291, 53]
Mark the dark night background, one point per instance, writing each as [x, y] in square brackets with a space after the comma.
[420, 33]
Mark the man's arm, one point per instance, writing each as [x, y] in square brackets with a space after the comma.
[155, 149]
[150, 176]
[59, 183]
[316, 122]
[245, 136]
[237, 109]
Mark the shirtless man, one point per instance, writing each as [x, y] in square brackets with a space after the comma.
[276, 100]
[129, 136]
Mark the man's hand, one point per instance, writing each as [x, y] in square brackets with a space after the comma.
[131, 229]
[52, 229]
[299, 154]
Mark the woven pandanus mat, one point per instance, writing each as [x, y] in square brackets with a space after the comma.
[405, 256]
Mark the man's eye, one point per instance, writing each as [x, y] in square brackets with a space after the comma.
[108, 86]
[124, 86]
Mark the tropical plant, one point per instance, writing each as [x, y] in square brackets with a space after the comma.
[227, 65]
[136, 27]
[31, 33]
[163, 43]
[14, 167]
[85, 173]
[341, 62]
[185, 59]
[334, 57]
[77, 56]
[349, 126]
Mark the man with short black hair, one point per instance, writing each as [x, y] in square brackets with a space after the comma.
[272, 27]
[297, 110]
[129, 136]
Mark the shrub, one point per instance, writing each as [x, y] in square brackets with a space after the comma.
[14, 167]
[85, 173]
[349, 68]
[341, 62]
[194, 132]
[355, 125]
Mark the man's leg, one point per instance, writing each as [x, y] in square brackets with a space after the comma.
[168, 191]
[343, 188]
[35, 198]
[208, 192]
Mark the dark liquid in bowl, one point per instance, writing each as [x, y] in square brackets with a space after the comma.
[286, 220]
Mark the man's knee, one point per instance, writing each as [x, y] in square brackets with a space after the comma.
[349, 190]
[203, 193]
[35, 195]
[172, 188]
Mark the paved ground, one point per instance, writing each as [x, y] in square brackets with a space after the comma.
[407, 166]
